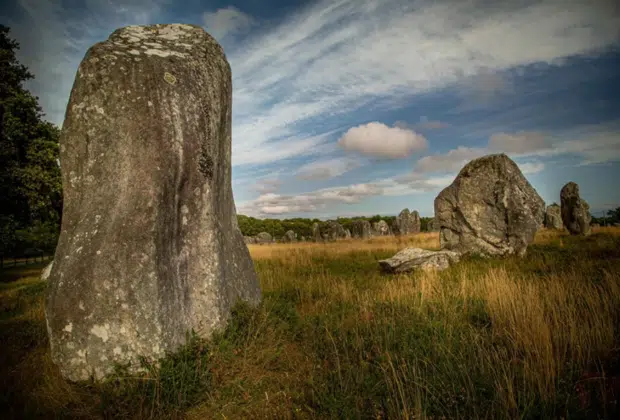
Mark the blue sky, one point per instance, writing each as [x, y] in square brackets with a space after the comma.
[361, 107]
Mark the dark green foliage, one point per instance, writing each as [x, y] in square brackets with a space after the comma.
[30, 181]
[612, 216]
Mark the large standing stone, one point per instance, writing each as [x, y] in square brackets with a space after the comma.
[489, 209]
[361, 229]
[553, 217]
[150, 247]
[575, 210]
[381, 228]
[406, 223]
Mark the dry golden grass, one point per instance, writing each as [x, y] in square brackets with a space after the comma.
[427, 240]
[537, 337]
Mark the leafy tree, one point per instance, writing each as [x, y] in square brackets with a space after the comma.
[613, 216]
[30, 180]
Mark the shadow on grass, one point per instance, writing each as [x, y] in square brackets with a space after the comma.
[345, 358]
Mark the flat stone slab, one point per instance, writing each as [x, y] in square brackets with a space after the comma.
[411, 259]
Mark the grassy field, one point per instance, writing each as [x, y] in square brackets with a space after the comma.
[486, 339]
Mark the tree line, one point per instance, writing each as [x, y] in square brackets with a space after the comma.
[30, 180]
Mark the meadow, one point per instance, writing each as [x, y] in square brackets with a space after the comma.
[503, 338]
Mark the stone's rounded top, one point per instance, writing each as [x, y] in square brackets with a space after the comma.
[500, 162]
[570, 188]
[162, 40]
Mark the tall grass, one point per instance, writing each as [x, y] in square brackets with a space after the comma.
[334, 338]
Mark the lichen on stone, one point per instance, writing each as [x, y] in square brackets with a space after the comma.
[169, 78]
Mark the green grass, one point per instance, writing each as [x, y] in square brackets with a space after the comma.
[488, 338]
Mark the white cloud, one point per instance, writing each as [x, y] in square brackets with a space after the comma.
[595, 144]
[379, 140]
[451, 161]
[521, 142]
[528, 168]
[326, 169]
[270, 204]
[339, 56]
[227, 21]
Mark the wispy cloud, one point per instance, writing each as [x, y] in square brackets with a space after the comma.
[423, 125]
[268, 185]
[520, 142]
[448, 162]
[326, 169]
[227, 21]
[343, 55]
[55, 38]
[276, 204]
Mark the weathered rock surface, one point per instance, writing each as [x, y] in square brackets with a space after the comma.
[381, 228]
[553, 217]
[45, 274]
[289, 236]
[489, 209]
[575, 210]
[263, 238]
[410, 259]
[361, 229]
[150, 247]
[406, 223]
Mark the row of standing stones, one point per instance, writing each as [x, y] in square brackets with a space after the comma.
[150, 248]
[405, 223]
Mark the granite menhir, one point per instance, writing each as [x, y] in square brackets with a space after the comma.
[150, 247]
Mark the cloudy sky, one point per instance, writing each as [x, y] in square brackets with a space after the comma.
[361, 107]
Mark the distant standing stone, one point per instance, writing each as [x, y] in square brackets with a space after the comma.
[335, 231]
[406, 223]
[553, 217]
[489, 209]
[290, 236]
[575, 210]
[432, 226]
[149, 248]
[381, 228]
[316, 233]
[264, 238]
[361, 229]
